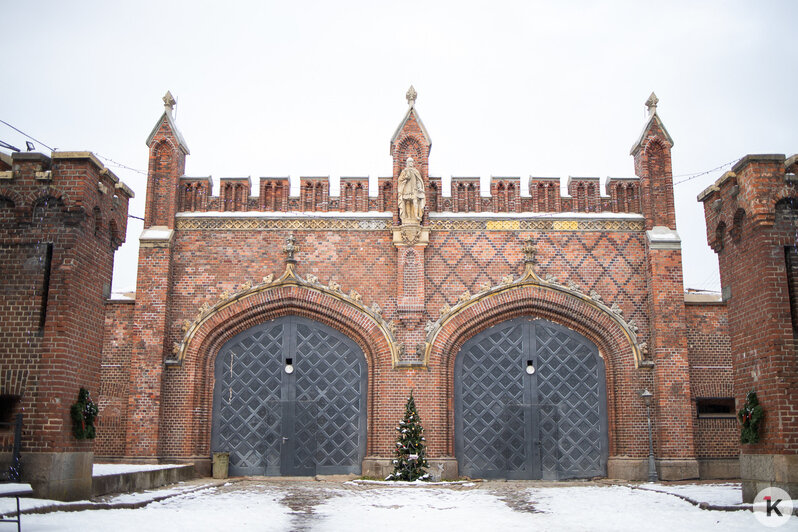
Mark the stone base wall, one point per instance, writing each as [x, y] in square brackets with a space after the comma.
[59, 476]
[760, 471]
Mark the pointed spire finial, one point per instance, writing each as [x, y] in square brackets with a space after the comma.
[169, 101]
[411, 96]
[651, 104]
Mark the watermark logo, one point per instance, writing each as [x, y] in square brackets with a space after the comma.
[772, 507]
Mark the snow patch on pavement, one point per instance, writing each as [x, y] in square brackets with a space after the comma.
[208, 510]
[616, 508]
[101, 470]
[417, 510]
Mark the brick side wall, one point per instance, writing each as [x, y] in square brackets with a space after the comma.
[711, 376]
[62, 219]
[114, 379]
[752, 224]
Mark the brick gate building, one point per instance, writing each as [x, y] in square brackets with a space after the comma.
[289, 330]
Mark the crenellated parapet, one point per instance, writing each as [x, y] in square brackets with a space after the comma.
[505, 193]
[195, 193]
[749, 193]
[234, 193]
[465, 195]
[273, 195]
[354, 194]
[314, 194]
[624, 193]
[70, 188]
[545, 193]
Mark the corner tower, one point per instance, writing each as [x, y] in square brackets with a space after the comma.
[675, 447]
[168, 152]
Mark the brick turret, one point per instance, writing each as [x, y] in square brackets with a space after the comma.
[151, 316]
[752, 223]
[61, 219]
[168, 152]
[675, 446]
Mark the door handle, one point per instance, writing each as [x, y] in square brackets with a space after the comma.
[285, 439]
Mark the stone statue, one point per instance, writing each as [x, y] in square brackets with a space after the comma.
[412, 198]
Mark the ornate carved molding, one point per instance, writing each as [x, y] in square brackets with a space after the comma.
[546, 224]
[203, 223]
[207, 223]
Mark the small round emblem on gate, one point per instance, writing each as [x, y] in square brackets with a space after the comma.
[289, 366]
[530, 369]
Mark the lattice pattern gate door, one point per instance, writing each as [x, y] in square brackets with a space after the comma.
[530, 403]
[311, 421]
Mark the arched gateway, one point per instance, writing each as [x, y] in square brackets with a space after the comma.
[290, 399]
[530, 403]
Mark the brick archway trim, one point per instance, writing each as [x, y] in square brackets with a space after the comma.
[530, 295]
[289, 293]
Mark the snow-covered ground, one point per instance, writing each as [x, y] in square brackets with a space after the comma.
[328, 506]
[100, 470]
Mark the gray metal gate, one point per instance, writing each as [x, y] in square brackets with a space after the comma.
[530, 403]
[274, 421]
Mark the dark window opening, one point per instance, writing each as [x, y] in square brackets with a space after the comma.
[791, 265]
[715, 406]
[8, 405]
[45, 288]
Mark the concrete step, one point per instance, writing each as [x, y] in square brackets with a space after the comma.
[141, 480]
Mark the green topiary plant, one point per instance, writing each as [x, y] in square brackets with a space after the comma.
[750, 416]
[83, 414]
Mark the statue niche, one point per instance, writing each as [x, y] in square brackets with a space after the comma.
[412, 198]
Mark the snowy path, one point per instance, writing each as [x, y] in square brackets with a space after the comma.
[269, 505]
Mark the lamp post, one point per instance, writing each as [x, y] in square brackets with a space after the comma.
[652, 468]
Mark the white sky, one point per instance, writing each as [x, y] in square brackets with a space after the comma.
[317, 88]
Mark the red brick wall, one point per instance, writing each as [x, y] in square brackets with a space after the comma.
[711, 376]
[203, 268]
[53, 314]
[753, 203]
[205, 263]
[114, 378]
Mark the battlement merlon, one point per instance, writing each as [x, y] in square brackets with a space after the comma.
[749, 191]
[81, 183]
[52, 169]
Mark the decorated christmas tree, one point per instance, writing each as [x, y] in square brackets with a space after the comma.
[411, 453]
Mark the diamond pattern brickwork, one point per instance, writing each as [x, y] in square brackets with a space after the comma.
[611, 263]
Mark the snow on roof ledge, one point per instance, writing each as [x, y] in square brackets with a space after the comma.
[661, 237]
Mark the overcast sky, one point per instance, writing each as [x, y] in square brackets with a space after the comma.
[317, 88]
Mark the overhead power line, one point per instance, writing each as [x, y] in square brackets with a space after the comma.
[25, 134]
[690, 177]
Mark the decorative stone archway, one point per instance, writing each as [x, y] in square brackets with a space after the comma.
[253, 304]
[531, 296]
